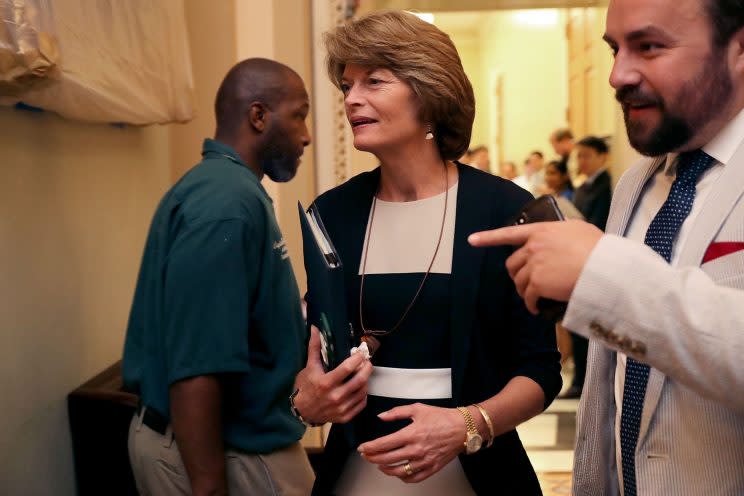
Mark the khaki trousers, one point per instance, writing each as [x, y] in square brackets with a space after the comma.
[159, 471]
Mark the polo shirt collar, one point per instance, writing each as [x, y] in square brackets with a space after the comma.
[216, 150]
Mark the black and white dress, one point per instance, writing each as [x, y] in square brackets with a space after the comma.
[412, 363]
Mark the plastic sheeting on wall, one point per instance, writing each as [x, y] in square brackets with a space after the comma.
[119, 61]
[28, 49]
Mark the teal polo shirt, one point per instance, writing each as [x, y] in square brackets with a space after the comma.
[216, 294]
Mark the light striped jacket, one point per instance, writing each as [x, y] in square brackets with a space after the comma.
[688, 324]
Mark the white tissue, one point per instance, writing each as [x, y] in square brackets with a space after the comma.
[363, 349]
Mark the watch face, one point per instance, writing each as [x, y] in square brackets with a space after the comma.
[473, 443]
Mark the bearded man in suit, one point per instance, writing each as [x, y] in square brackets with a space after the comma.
[662, 292]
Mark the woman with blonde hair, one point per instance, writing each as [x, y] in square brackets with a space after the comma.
[458, 361]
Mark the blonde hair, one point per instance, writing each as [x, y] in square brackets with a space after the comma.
[420, 54]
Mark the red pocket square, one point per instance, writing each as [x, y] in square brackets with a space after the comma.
[716, 250]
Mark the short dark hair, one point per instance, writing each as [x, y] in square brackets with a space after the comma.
[559, 165]
[538, 153]
[726, 18]
[562, 133]
[562, 167]
[598, 144]
[248, 81]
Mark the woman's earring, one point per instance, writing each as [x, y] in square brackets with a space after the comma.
[429, 134]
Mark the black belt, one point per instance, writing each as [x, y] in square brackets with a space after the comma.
[153, 419]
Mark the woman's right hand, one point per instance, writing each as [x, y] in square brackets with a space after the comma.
[336, 396]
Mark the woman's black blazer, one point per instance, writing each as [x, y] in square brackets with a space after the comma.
[494, 337]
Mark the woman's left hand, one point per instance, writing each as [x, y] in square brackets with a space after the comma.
[435, 437]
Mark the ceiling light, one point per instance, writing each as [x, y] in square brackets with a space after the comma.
[537, 17]
[424, 16]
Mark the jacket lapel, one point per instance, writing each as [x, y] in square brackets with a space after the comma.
[623, 205]
[353, 221]
[472, 215]
[725, 193]
[627, 193]
[722, 198]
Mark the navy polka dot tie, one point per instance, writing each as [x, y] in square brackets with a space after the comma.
[660, 236]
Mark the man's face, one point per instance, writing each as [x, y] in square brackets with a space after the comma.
[286, 134]
[562, 147]
[674, 86]
[589, 160]
[508, 170]
[481, 160]
[535, 162]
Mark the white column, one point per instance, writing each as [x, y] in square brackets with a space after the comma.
[333, 141]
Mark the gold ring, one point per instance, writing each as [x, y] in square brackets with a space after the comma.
[407, 469]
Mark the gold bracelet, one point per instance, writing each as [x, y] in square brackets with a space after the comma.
[473, 439]
[485, 416]
[469, 422]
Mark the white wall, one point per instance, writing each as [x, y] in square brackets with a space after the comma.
[469, 47]
[75, 203]
[211, 29]
[532, 61]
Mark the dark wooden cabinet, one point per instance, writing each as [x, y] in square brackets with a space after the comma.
[100, 413]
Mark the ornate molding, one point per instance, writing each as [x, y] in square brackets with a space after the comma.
[342, 11]
[331, 131]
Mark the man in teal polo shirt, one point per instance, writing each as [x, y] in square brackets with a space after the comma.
[216, 334]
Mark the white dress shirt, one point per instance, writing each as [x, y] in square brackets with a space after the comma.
[653, 196]
[593, 177]
[530, 183]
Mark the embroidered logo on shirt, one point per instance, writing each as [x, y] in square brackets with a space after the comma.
[281, 245]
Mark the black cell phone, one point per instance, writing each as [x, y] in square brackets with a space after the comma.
[544, 209]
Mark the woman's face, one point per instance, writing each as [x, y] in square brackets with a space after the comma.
[381, 109]
[554, 179]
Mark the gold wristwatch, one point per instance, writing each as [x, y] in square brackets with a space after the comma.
[473, 439]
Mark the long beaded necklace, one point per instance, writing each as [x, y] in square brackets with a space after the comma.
[370, 336]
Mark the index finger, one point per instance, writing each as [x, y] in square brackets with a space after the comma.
[387, 443]
[346, 368]
[512, 235]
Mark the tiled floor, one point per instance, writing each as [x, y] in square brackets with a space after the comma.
[555, 483]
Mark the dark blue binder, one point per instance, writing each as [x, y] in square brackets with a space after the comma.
[325, 285]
